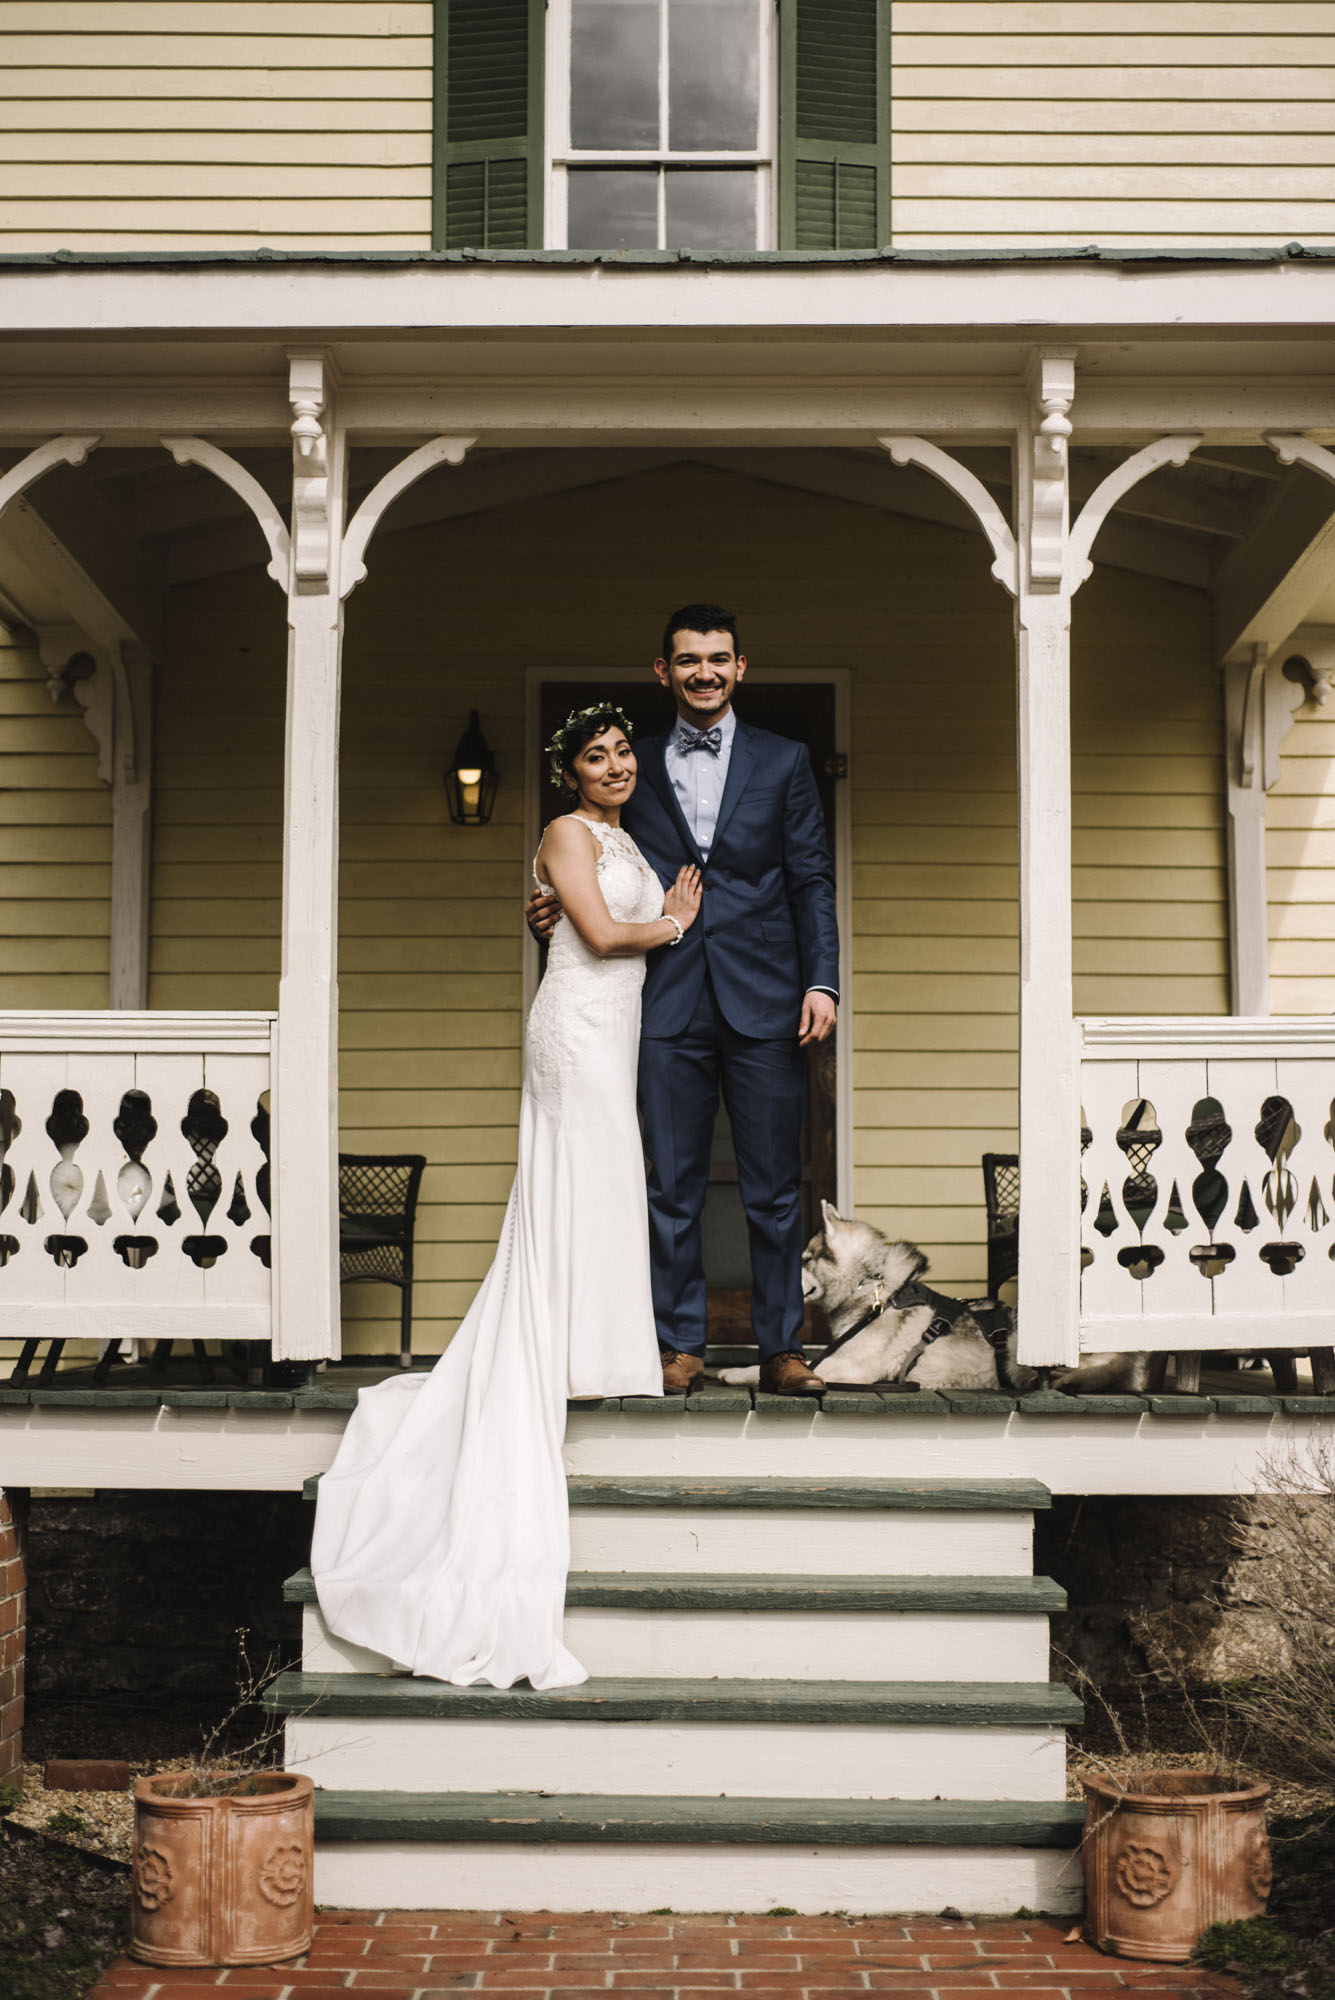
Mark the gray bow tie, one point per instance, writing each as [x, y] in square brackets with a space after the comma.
[701, 739]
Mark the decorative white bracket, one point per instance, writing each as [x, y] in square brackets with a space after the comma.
[79, 670]
[1051, 382]
[198, 451]
[56, 451]
[1297, 450]
[438, 451]
[971, 490]
[309, 386]
[1078, 567]
[1267, 693]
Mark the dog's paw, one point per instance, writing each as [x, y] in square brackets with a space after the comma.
[739, 1378]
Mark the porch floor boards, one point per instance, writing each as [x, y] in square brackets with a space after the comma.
[427, 1954]
[1230, 1392]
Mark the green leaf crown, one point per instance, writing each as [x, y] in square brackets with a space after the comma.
[556, 748]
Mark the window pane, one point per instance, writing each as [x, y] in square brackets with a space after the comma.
[713, 75]
[613, 208]
[711, 210]
[614, 73]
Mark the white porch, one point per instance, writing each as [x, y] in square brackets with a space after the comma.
[894, 365]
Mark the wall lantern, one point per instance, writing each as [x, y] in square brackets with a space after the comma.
[470, 782]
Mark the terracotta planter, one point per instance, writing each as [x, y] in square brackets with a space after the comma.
[223, 1880]
[1162, 1863]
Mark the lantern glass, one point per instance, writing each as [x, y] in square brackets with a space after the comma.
[471, 781]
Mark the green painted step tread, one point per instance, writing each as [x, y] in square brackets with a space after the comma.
[985, 1704]
[983, 1496]
[535, 1816]
[654, 1590]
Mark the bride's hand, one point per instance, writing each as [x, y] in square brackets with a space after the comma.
[682, 900]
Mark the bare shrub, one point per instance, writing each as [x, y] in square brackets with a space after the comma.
[1290, 1707]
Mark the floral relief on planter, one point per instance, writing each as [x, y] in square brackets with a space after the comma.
[223, 1878]
[1163, 1862]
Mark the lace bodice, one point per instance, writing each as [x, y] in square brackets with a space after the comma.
[633, 895]
[585, 1001]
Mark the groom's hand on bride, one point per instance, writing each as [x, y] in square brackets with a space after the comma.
[818, 1018]
[540, 914]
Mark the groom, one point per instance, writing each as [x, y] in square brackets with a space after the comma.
[753, 983]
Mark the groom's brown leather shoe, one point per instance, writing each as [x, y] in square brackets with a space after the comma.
[679, 1371]
[788, 1375]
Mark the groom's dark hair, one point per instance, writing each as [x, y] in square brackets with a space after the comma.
[700, 618]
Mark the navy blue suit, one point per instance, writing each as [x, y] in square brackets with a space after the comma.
[721, 1010]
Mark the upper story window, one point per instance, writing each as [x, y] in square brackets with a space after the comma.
[660, 118]
[703, 125]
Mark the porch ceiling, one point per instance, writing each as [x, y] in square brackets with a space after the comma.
[1231, 521]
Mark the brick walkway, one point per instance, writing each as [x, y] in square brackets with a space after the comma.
[432, 1955]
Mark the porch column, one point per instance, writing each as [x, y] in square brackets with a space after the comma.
[1048, 1310]
[305, 1087]
[1048, 1306]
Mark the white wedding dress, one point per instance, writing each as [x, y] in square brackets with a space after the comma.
[442, 1533]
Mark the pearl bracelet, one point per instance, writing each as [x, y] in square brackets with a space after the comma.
[677, 927]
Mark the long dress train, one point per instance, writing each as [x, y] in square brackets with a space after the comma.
[442, 1534]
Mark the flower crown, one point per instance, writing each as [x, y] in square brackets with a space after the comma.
[556, 748]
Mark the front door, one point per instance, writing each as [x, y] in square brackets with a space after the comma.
[803, 710]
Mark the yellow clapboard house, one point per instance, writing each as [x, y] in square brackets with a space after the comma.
[369, 365]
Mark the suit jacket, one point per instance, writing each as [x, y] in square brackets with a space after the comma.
[767, 928]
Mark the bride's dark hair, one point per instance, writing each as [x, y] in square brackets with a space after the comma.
[581, 728]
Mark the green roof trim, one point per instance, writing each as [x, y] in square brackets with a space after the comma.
[1151, 257]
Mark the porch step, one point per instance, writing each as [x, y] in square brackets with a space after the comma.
[900, 1783]
[785, 1527]
[664, 1591]
[879, 1628]
[935, 1495]
[673, 1737]
[579, 1851]
[529, 1817]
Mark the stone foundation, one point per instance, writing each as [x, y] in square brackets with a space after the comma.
[1161, 1593]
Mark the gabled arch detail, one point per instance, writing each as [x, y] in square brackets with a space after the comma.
[970, 489]
[68, 450]
[437, 451]
[198, 451]
[1084, 530]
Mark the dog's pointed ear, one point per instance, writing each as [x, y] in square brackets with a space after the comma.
[831, 1217]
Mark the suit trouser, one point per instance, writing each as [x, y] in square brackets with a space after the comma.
[762, 1085]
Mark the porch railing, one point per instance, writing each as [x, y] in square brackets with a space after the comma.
[1208, 1180]
[134, 1175]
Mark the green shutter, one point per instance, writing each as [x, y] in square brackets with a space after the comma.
[834, 124]
[488, 155]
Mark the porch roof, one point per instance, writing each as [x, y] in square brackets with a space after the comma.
[1266, 291]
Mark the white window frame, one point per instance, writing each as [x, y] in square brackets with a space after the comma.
[561, 155]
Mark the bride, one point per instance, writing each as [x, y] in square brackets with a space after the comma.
[442, 1533]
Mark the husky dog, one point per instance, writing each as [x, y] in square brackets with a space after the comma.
[855, 1273]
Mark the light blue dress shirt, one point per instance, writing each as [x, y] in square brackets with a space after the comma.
[698, 777]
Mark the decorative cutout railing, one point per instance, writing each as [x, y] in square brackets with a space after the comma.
[1208, 1183]
[134, 1175]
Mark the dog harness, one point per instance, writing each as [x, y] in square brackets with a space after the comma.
[995, 1322]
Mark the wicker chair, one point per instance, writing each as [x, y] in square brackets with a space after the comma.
[377, 1209]
[1001, 1185]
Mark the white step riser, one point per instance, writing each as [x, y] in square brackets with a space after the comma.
[765, 1645]
[774, 1542]
[756, 1760]
[484, 1876]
